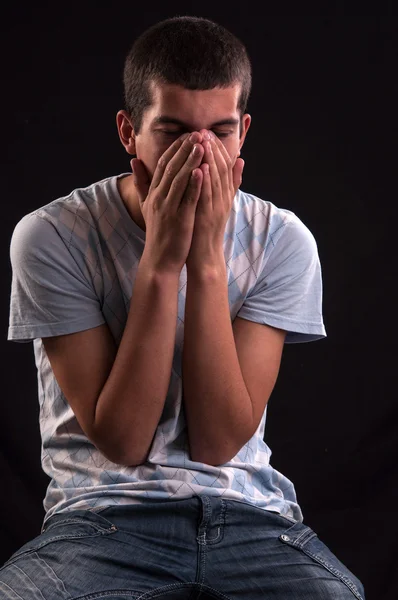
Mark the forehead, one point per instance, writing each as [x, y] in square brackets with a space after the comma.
[195, 107]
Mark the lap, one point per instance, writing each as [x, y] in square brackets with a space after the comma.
[265, 555]
[205, 547]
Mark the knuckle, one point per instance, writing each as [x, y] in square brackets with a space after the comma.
[169, 169]
[190, 196]
[162, 162]
[185, 139]
[224, 169]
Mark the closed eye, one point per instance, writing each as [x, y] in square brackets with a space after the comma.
[178, 133]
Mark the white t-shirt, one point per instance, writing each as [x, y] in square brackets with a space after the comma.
[74, 263]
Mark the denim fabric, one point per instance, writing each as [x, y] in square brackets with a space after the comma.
[201, 547]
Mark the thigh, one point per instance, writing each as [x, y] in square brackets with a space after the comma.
[117, 553]
[264, 555]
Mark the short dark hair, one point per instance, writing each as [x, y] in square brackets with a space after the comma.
[193, 52]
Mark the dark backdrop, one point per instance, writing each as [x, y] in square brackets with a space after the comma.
[322, 144]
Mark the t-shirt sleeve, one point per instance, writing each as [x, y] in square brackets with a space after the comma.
[49, 294]
[288, 292]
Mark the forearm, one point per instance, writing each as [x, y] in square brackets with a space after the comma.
[217, 404]
[133, 397]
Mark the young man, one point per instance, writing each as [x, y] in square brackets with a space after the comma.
[159, 304]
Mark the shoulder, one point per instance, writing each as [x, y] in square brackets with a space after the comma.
[278, 226]
[73, 216]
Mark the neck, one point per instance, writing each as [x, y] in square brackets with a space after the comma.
[129, 196]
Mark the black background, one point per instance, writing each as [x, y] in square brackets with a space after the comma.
[322, 143]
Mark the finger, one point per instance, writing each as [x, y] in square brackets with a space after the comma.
[191, 196]
[177, 173]
[205, 198]
[181, 143]
[141, 177]
[216, 190]
[225, 172]
[226, 156]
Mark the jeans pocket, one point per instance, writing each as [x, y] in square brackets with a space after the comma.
[69, 525]
[303, 538]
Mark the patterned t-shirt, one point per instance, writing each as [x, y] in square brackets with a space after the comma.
[74, 263]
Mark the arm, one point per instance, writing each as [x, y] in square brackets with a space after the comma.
[118, 395]
[217, 404]
[228, 372]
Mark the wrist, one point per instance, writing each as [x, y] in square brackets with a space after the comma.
[208, 268]
[157, 271]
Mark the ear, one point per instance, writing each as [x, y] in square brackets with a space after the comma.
[125, 131]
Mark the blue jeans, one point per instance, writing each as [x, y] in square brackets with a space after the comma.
[200, 547]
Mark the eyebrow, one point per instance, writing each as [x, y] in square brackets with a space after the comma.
[164, 119]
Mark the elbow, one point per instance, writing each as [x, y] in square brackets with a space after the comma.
[126, 459]
[212, 460]
[116, 452]
[220, 454]
[122, 460]
[117, 456]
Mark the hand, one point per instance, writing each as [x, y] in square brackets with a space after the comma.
[168, 203]
[216, 197]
